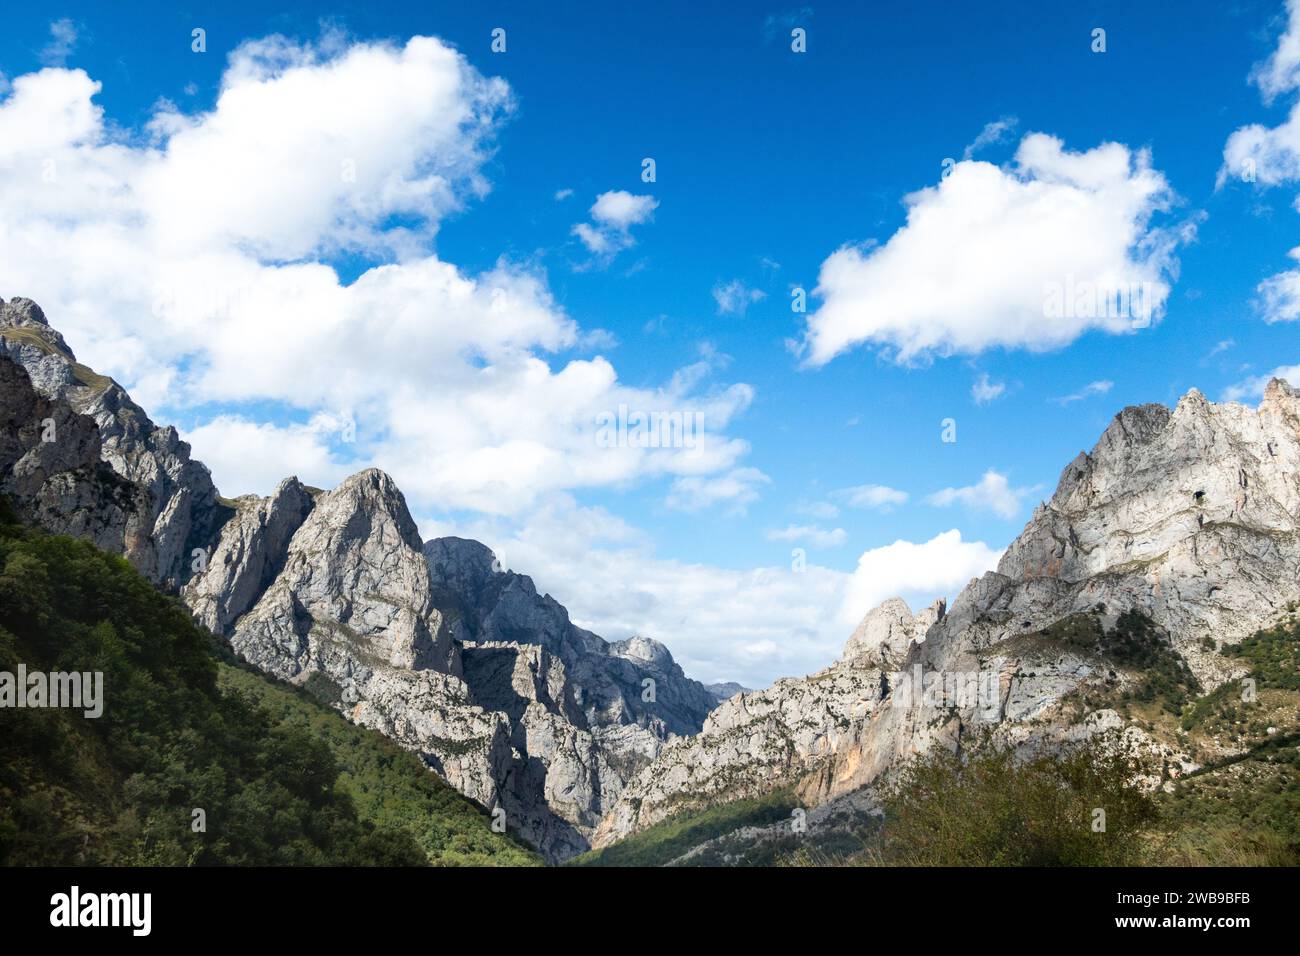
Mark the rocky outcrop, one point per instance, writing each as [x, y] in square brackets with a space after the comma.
[1186, 517]
[50, 468]
[184, 514]
[354, 592]
[887, 633]
[250, 554]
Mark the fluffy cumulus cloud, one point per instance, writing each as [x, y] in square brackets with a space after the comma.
[750, 625]
[193, 260]
[1280, 73]
[993, 492]
[1271, 155]
[613, 215]
[918, 573]
[1028, 256]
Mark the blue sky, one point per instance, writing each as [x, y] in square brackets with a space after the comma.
[768, 162]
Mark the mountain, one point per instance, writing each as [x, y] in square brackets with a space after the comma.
[433, 643]
[724, 690]
[1117, 608]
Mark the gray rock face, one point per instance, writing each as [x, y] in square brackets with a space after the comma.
[584, 715]
[184, 512]
[354, 591]
[251, 552]
[1188, 516]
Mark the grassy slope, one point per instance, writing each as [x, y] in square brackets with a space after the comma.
[282, 779]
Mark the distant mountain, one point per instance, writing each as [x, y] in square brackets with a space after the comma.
[432, 643]
[723, 690]
[1118, 608]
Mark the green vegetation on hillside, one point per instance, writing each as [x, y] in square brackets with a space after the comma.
[992, 809]
[389, 786]
[280, 779]
[1245, 808]
[1136, 645]
[667, 840]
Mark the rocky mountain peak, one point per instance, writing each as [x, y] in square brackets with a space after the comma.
[644, 649]
[23, 314]
[888, 631]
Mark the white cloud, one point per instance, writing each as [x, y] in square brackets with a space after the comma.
[1025, 257]
[1271, 157]
[878, 497]
[737, 489]
[985, 391]
[1252, 389]
[192, 265]
[918, 573]
[751, 626]
[613, 215]
[735, 298]
[1279, 295]
[1088, 391]
[1280, 73]
[563, 194]
[812, 534]
[63, 41]
[252, 456]
[620, 209]
[992, 133]
[993, 493]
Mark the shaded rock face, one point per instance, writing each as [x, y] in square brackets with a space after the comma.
[250, 554]
[184, 514]
[434, 645]
[1189, 516]
[50, 467]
